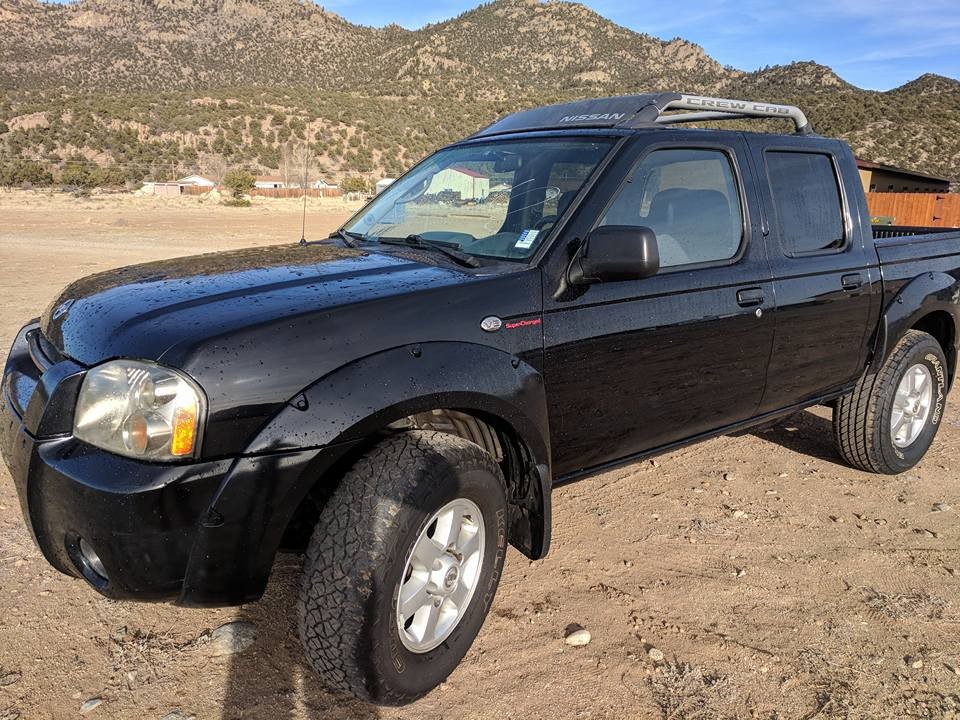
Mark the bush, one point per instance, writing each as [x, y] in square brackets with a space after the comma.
[80, 177]
[237, 202]
[239, 182]
[110, 176]
[23, 173]
[355, 183]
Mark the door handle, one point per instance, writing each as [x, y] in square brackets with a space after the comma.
[853, 281]
[748, 297]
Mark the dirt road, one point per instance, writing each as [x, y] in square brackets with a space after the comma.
[753, 576]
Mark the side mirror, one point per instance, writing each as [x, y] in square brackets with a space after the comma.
[615, 253]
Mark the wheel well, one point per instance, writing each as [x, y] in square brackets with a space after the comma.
[940, 324]
[494, 435]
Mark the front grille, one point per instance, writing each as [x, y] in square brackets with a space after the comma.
[39, 349]
[40, 384]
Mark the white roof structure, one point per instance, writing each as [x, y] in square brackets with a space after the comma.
[196, 180]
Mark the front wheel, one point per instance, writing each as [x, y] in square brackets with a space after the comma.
[402, 566]
[887, 424]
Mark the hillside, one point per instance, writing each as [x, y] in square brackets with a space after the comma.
[157, 87]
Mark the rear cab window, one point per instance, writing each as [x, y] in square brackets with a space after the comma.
[807, 202]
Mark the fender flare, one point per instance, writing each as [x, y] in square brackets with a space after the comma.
[930, 292]
[319, 427]
[369, 394]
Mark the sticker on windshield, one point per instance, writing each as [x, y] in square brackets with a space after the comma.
[525, 241]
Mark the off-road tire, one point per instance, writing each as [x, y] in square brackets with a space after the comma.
[861, 419]
[358, 551]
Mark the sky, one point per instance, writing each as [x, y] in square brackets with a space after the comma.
[875, 44]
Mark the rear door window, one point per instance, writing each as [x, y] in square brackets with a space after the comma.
[807, 205]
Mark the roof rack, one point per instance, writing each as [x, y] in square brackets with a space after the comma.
[711, 108]
[635, 111]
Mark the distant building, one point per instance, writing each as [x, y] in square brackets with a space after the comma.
[197, 180]
[322, 184]
[884, 178]
[383, 185]
[269, 182]
[469, 183]
[163, 189]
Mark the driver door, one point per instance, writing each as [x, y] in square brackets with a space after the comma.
[638, 365]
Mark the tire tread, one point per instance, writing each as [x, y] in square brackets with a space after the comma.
[857, 414]
[354, 528]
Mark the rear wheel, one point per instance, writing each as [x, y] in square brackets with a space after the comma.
[403, 566]
[890, 419]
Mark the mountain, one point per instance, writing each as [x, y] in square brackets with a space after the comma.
[503, 46]
[163, 86]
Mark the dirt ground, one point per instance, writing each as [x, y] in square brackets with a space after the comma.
[746, 577]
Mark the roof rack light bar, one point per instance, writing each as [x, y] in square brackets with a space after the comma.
[711, 108]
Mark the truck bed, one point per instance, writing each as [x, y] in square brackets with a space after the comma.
[899, 234]
[906, 252]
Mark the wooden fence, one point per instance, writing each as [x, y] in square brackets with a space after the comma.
[194, 189]
[268, 192]
[295, 192]
[917, 209]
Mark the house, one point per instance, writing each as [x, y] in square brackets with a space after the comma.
[471, 184]
[322, 184]
[198, 181]
[270, 182]
[885, 178]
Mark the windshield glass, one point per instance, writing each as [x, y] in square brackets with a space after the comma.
[496, 199]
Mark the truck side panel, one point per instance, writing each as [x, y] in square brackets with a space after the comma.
[921, 283]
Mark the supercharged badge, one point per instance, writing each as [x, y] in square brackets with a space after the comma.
[530, 322]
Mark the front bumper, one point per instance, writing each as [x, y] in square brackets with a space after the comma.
[203, 533]
[141, 520]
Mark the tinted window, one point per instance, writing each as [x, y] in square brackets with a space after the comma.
[689, 199]
[806, 201]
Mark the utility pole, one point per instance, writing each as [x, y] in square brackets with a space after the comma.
[303, 185]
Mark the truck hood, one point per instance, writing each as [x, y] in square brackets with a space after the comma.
[256, 327]
[159, 310]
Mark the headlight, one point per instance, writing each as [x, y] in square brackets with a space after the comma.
[140, 410]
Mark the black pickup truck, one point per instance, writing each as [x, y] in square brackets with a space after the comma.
[571, 288]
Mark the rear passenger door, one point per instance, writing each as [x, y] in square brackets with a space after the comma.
[635, 365]
[824, 275]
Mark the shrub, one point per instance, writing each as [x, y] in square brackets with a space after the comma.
[23, 173]
[355, 183]
[80, 177]
[239, 182]
[110, 176]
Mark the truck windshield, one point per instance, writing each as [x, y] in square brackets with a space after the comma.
[496, 199]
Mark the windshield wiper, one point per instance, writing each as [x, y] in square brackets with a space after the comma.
[349, 238]
[451, 251]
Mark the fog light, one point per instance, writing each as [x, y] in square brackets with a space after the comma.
[92, 560]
